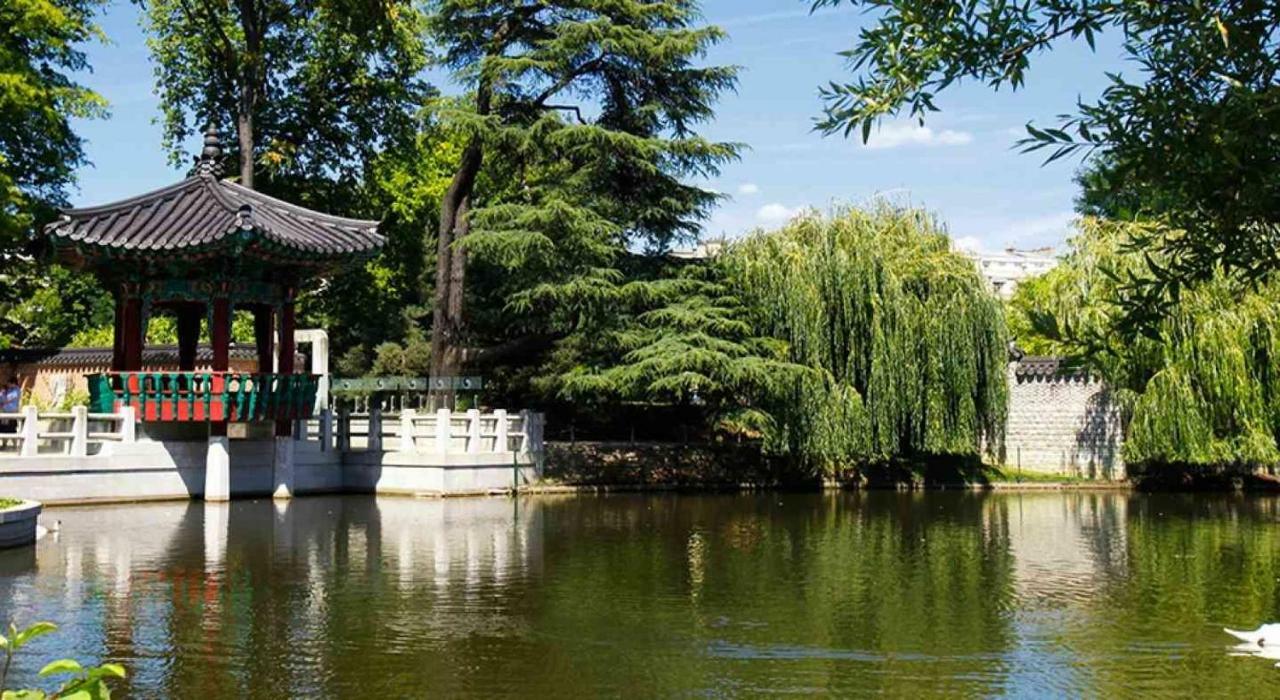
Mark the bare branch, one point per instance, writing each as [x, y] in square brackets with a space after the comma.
[567, 108]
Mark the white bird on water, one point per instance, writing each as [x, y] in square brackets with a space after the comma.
[1265, 636]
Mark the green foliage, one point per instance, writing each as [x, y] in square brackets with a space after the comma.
[417, 354]
[692, 346]
[40, 51]
[47, 304]
[403, 186]
[352, 363]
[9, 502]
[1030, 328]
[388, 360]
[583, 115]
[1200, 389]
[85, 682]
[162, 329]
[1189, 140]
[72, 398]
[841, 340]
[910, 343]
[322, 85]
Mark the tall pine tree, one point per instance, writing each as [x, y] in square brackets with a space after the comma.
[586, 111]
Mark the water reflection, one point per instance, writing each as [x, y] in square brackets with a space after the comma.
[941, 593]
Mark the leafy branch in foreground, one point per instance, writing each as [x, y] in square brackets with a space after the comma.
[85, 682]
[1185, 134]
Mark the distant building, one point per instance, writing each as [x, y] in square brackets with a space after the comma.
[1004, 270]
[704, 249]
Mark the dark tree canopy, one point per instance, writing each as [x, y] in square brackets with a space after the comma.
[41, 50]
[313, 88]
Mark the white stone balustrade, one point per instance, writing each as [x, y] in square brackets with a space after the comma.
[439, 432]
[74, 433]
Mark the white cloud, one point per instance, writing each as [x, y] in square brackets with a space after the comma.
[902, 134]
[771, 17]
[748, 188]
[775, 213]
[1030, 232]
[1038, 230]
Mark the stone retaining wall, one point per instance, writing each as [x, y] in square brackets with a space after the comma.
[662, 464]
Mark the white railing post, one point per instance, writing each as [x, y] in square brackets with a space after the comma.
[80, 431]
[30, 431]
[444, 430]
[326, 430]
[526, 429]
[500, 439]
[374, 439]
[128, 426]
[344, 428]
[406, 429]
[473, 431]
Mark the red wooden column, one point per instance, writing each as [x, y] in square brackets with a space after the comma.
[131, 344]
[263, 321]
[284, 428]
[188, 335]
[220, 334]
[117, 332]
[220, 339]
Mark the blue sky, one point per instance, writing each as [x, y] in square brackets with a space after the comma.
[961, 165]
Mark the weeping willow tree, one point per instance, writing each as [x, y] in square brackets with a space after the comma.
[1199, 386]
[841, 341]
[908, 345]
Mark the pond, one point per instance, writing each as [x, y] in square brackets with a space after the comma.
[1026, 594]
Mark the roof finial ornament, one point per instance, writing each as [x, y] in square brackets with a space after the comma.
[210, 160]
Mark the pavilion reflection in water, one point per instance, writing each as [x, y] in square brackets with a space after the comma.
[186, 568]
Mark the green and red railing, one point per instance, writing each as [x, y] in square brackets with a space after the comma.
[205, 396]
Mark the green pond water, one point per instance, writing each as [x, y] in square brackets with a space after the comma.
[956, 594]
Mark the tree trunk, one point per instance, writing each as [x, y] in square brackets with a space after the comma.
[451, 261]
[252, 76]
[244, 131]
[451, 270]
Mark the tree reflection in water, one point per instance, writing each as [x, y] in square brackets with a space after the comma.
[933, 593]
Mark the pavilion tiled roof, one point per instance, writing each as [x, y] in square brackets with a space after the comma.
[204, 211]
